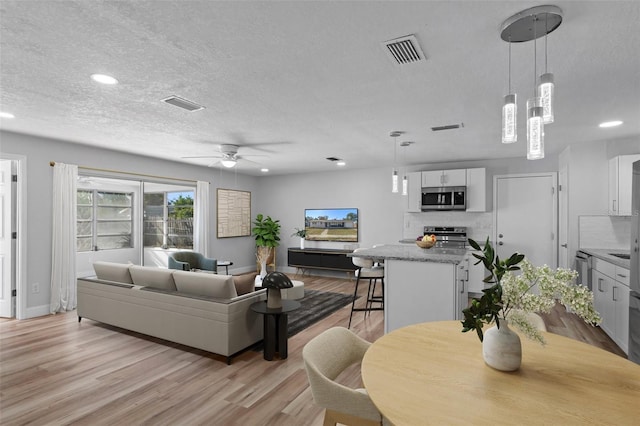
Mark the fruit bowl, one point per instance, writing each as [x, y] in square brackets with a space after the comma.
[425, 244]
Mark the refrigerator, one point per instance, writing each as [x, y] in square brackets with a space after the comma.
[634, 296]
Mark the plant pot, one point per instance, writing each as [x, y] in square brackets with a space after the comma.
[501, 348]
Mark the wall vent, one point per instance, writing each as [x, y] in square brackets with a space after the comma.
[183, 103]
[447, 127]
[404, 50]
[333, 159]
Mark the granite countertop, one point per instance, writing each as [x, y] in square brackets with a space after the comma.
[605, 254]
[412, 253]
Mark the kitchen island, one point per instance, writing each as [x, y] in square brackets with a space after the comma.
[420, 284]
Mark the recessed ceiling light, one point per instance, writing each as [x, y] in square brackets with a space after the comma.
[611, 123]
[341, 163]
[264, 170]
[104, 79]
[6, 115]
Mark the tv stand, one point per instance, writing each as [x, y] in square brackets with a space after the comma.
[317, 258]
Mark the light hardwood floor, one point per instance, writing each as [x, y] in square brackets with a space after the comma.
[54, 370]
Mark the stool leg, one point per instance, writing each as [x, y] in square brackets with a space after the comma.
[353, 302]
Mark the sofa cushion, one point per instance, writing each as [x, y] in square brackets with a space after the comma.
[204, 284]
[148, 276]
[111, 271]
[244, 283]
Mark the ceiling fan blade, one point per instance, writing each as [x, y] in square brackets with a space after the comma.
[203, 156]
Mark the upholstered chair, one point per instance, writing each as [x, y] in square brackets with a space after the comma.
[367, 269]
[188, 260]
[325, 357]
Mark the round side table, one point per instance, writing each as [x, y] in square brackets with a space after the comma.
[275, 327]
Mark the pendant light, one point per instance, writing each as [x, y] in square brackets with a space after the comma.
[535, 121]
[522, 27]
[546, 86]
[509, 112]
[394, 176]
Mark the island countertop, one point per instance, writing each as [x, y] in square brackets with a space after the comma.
[412, 253]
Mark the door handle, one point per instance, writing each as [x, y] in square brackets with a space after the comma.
[563, 245]
[614, 205]
[600, 284]
[615, 299]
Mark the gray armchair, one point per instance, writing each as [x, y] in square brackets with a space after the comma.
[188, 260]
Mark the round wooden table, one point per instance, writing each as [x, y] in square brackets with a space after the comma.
[432, 373]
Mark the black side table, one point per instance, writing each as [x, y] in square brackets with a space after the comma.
[275, 327]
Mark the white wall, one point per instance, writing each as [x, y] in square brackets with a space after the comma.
[40, 151]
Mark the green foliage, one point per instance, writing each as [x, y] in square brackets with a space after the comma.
[486, 309]
[300, 233]
[182, 207]
[266, 231]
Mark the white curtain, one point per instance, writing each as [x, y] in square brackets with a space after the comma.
[201, 219]
[63, 249]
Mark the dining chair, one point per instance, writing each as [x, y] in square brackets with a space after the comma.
[325, 357]
[367, 270]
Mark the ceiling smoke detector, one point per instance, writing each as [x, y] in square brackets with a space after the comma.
[404, 50]
[182, 103]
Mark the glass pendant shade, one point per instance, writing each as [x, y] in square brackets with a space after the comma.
[509, 119]
[394, 182]
[405, 185]
[545, 92]
[535, 129]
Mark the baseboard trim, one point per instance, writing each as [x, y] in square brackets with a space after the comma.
[37, 311]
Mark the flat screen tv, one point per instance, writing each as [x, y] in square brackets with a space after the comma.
[331, 225]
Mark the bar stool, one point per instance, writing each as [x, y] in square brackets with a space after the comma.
[367, 270]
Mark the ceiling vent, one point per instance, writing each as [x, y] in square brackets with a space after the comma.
[182, 103]
[404, 50]
[447, 127]
[333, 159]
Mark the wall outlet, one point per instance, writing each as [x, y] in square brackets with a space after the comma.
[35, 288]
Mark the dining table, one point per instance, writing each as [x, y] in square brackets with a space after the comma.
[434, 374]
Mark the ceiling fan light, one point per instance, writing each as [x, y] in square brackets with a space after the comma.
[546, 93]
[228, 162]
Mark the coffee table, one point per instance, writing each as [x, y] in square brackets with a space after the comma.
[275, 327]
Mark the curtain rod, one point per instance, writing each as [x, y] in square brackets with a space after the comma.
[96, 169]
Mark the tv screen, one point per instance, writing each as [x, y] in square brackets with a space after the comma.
[331, 224]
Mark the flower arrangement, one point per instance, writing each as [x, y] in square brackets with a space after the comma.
[511, 295]
[300, 233]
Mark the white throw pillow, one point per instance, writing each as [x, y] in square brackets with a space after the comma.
[111, 271]
[204, 284]
[148, 276]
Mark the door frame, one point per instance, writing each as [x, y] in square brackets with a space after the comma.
[21, 229]
[554, 207]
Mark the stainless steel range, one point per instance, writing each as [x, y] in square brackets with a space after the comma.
[448, 237]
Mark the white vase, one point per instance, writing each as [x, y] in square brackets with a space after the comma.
[263, 269]
[301, 243]
[501, 348]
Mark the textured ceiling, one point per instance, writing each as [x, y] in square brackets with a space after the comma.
[295, 82]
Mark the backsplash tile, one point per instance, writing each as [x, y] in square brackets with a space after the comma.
[604, 232]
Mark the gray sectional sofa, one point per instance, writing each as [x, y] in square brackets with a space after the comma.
[202, 310]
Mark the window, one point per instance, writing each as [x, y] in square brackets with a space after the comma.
[168, 219]
[105, 220]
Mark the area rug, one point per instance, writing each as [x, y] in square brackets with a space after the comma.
[314, 306]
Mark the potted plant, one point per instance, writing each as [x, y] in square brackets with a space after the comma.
[302, 233]
[511, 300]
[267, 234]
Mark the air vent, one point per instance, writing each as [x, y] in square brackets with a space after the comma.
[404, 50]
[447, 127]
[333, 159]
[183, 103]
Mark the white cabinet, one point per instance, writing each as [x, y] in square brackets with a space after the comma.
[476, 190]
[620, 177]
[611, 300]
[455, 177]
[414, 192]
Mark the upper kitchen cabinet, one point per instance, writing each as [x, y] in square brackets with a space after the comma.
[414, 192]
[476, 190]
[620, 176]
[455, 177]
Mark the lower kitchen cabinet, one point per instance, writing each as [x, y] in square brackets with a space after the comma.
[611, 300]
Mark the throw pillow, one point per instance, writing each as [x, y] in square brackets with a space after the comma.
[148, 276]
[244, 283]
[111, 271]
[203, 284]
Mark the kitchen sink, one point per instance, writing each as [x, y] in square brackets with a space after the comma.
[621, 255]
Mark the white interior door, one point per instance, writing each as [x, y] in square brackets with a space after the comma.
[525, 217]
[563, 219]
[6, 259]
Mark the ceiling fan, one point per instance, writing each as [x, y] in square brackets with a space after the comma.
[228, 156]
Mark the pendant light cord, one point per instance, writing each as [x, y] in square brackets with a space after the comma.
[509, 64]
[535, 38]
[546, 32]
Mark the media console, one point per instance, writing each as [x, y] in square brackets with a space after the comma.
[316, 258]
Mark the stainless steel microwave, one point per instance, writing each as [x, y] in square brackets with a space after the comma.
[444, 198]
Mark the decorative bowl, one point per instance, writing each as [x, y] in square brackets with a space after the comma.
[425, 244]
